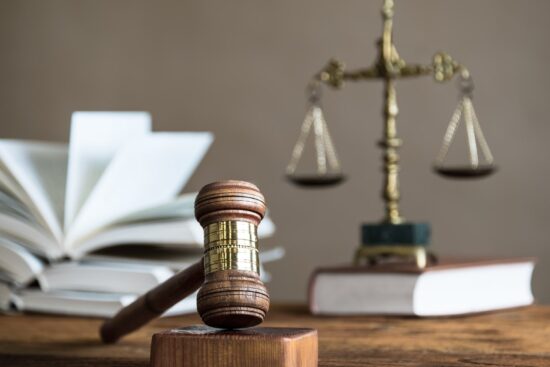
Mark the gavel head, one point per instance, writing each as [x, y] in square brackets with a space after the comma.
[232, 296]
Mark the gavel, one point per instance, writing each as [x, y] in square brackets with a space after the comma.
[232, 296]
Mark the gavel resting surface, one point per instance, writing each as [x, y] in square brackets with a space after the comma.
[231, 297]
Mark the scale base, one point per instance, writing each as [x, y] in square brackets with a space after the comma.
[396, 243]
[200, 345]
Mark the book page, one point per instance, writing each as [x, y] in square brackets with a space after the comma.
[182, 234]
[10, 186]
[20, 266]
[98, 304]
[95, 139]
[176, 259]
[181, 207]
[13, 207]
[175, 233]
[146, 172]
[40, 170]
[102, 277]
[35, 239]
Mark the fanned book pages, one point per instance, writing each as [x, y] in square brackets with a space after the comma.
[448, 288]
[81, 223]
[61, 199]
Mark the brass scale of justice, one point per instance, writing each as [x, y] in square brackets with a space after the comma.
[393, 239]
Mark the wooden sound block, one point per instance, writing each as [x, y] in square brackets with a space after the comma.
[200, 345]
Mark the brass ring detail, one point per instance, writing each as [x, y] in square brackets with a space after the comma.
[231, 245]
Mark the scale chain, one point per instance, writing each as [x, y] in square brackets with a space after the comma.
[300, 144]
[481, 138]
[331, 152]
[472, 144]
[319, 140]
[449, 134]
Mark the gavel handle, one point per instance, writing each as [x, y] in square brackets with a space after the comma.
[153, 303]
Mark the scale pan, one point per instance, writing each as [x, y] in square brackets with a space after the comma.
[465, 172]
[316, 180]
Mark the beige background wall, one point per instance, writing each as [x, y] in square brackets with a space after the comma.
[238, 68]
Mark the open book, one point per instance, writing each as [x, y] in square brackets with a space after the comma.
[116, 182]
[87, 227]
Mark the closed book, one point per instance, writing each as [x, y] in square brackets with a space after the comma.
[94, 286]
[447, 288]
[94, 304]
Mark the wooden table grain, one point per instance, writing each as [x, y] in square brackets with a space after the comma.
[519, 337]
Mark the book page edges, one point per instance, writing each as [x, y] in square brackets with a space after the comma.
[446, 267]
[145, 172]
[174, 232]
[25, 162]
[475, 289]
[95, 138]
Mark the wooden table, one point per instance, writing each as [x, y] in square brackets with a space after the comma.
[518, 337]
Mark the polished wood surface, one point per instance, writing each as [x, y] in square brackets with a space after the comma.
[519, 337]
[200, 346]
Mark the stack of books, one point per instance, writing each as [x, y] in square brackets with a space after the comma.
[85, 228]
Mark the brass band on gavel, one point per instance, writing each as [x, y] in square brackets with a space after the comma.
[231, 245]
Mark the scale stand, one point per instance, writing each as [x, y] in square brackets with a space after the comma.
[392, 239]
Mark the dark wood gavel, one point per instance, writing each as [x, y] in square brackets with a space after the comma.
[232, 294]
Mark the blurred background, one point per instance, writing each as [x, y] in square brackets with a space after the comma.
[239, 68]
